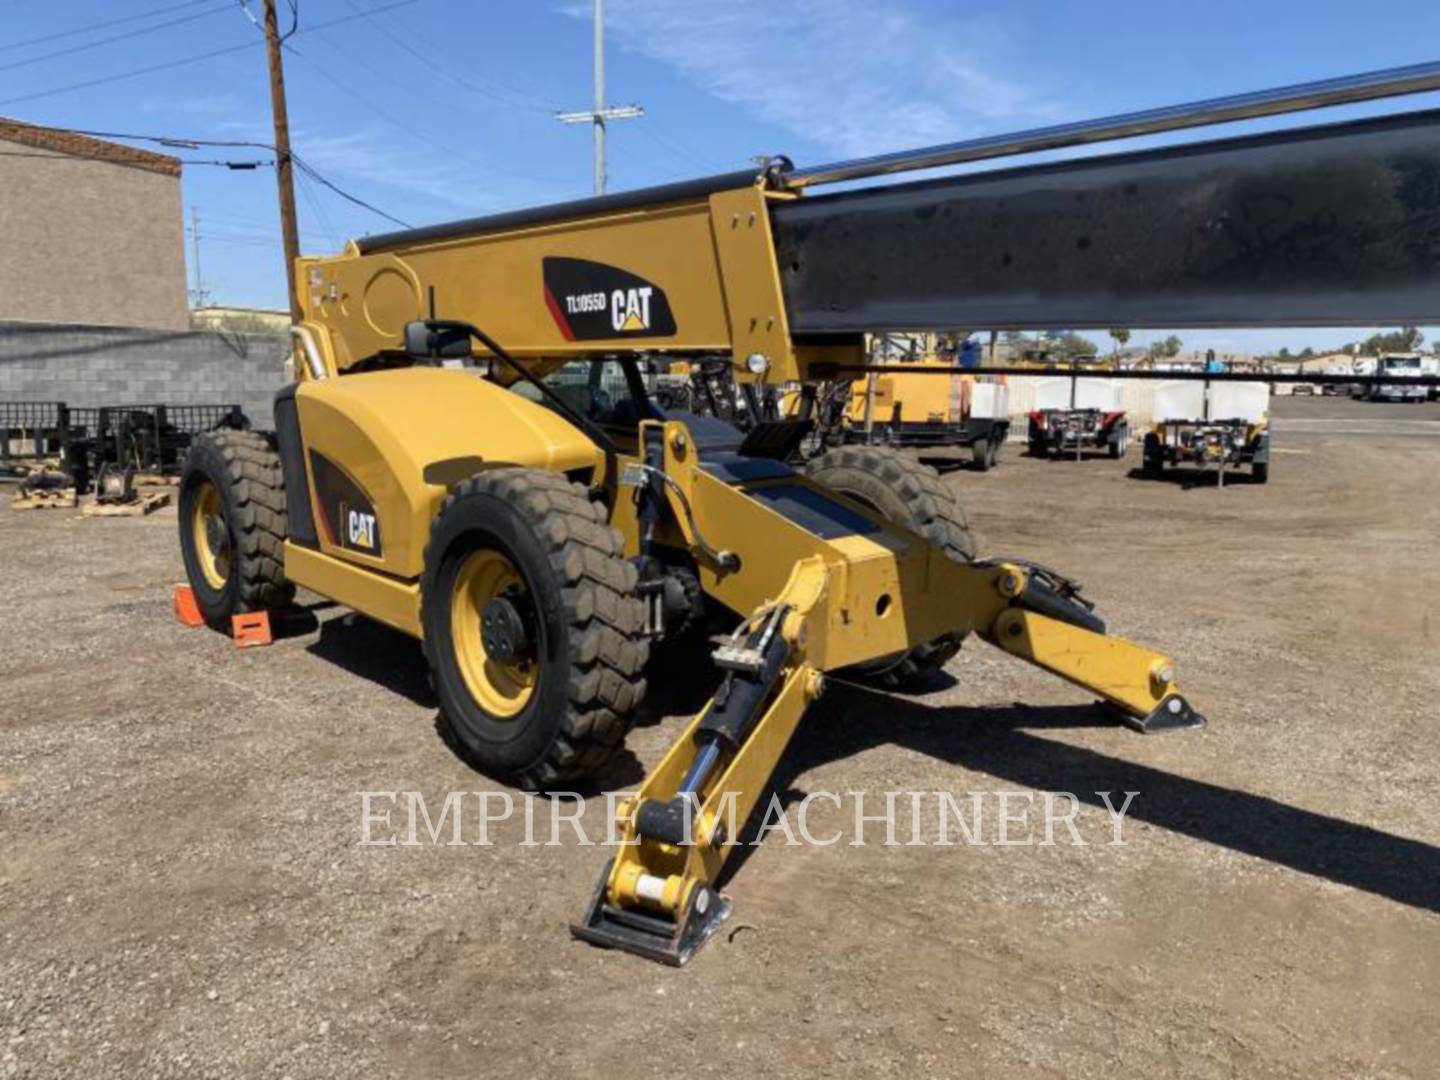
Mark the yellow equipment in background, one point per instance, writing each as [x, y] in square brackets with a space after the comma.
[933, 406]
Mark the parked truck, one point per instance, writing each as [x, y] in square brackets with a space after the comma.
[1402, 368]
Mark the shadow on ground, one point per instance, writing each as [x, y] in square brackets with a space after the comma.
[395, 661]
[377, 653]
[999, 741]
[1189, 479]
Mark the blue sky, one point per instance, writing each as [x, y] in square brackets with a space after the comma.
[437, 109]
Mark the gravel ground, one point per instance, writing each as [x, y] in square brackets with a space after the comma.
[183, 891]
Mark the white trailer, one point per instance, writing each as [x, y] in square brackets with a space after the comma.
[1213, 425]
[1073, 414]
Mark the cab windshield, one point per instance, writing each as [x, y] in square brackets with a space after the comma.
[607, 392]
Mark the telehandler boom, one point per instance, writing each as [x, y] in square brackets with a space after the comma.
[468, 453]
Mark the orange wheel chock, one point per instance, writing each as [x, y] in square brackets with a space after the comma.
[187, 611]
[251, 629]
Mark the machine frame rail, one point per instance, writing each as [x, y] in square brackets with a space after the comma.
[831, 371]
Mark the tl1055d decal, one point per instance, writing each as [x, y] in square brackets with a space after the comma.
[592, 301]
[347, 516]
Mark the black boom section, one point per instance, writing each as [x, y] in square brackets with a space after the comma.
[1332, 225]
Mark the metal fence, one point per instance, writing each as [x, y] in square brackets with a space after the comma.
[149, 438]
[33, 431]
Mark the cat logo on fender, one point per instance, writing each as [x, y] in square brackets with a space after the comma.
[591, 301]
[360, 529]
[345, 512]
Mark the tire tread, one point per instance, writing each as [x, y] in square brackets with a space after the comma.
[608, 649]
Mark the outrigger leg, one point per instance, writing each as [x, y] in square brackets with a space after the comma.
[657, 897]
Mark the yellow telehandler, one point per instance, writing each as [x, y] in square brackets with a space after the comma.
[468, 452]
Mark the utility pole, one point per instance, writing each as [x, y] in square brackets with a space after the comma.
[599, 114]
[195, 244]
[284, 178]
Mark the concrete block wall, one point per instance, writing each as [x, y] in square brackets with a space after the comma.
[105, 365]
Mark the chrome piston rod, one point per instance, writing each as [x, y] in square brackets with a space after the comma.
[1372, 86]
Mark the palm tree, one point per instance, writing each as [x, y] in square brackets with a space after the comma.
[1121, 336]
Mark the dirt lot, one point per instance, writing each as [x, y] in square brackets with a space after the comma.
[182, 891]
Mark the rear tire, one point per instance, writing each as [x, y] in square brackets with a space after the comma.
[559, 706]
[232, 525]
[1260, 472]
[980, 454]
[912, 495]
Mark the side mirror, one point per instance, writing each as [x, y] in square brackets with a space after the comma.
[426, 340]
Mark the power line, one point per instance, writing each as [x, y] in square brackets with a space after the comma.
[43, 57]
[458, 80]
[676, 151]
[180, 141]
[62, 156]
[137, 72]
[175, 140]
[345, 194]
[185, 60]
[406, 127]
[319, 211]
[43, 39]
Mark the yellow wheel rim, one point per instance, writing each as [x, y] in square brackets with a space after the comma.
[211, 535]
[501, 689]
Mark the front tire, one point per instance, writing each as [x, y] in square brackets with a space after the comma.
[913, 495]
[532, 629]
[232, 525]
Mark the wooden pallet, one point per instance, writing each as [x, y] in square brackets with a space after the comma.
[54, 499]
[145, 504]
[146, 479]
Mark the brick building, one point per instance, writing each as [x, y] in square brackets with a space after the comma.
[91, 232]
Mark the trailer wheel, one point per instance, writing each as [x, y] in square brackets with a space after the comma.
[913, 495]
[532, 629]
[232, 525]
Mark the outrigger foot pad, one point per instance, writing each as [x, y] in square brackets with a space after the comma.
[1172, 714]
[654, 937]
